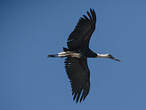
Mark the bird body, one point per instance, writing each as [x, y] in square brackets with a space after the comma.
[69, 54]
[77, 53]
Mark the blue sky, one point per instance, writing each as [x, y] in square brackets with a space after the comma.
[29, 30]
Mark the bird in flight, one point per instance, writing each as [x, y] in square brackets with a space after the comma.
[77, 53]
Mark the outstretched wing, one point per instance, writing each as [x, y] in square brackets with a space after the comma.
[81, 35]
[79, 75]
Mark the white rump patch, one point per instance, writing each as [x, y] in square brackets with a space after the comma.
[69, 54]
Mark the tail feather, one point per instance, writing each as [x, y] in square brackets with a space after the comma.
[53, 55]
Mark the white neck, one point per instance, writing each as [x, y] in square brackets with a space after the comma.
[103, 55]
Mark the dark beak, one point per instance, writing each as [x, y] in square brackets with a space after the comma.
[114, 58]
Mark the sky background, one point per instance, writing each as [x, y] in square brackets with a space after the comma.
[30, 30]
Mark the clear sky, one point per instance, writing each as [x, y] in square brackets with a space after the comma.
[30, 30]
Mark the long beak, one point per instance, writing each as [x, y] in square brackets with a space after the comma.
[114, 58]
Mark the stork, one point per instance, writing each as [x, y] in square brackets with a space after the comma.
[76, 55]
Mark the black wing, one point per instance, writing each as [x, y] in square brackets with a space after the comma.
[81, 35]
[79, 75]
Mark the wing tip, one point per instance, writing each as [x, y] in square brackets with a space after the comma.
[79, 96]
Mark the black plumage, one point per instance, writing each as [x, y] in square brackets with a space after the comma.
[80, 37]
[77, 53]
[79, 75]
[77, 69]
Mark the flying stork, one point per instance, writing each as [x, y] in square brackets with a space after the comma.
[77, 53]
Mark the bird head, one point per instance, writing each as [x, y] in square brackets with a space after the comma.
[107, 56]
